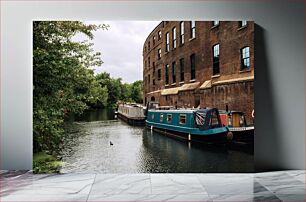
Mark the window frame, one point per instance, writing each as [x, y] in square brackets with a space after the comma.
[159, 53]
[149, 79]
[215, 23]
[153, 65]
[167, 42]
[167, 74]
[248, 58]
[174, 38]
[216, 59]
[173, 72]
[161, 117]
[192, 29]
[169, 118]
[182, 33]
[159, 74]
[182, 67]
[243, 23]
[192, 66]
[184, 118]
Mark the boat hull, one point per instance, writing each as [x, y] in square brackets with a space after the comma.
[132, 121]
[219, 136]
[243, 134]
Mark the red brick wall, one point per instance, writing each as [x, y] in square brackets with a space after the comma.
[238, 96]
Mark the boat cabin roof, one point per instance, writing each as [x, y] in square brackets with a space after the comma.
[173, 110]
[186, 111]
[230, 112]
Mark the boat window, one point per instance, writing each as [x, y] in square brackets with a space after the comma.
[241, 121]
[161, 117]
[200, 118]
[214, 121]
[182, 119]
[152, 116]
[169, 118]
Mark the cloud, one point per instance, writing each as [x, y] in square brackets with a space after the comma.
[121, 47]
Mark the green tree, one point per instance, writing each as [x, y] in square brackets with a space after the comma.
[137, 91]
[126, 91]
[63, 78]
[114, 87]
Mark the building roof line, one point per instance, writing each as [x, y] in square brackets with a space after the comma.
[151, 33]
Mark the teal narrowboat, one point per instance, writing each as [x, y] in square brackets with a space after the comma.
[201, 125]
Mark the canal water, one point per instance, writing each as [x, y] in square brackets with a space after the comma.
[87, 149]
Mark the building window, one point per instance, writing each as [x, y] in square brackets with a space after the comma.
[145, 64]
[153, 82]
[182, 34]
[159, 53]
[173, 72]
[153, 64]
[154, 39]
[169, 118]
[149, 82]
[245, 58]
[242, 23]
[159, 35]
[149, 61]
[192, 67]
[182, 69]
[145, 49]
[159, 74]
[216, 23]
[192, 29]
[149, 45]
[216, 53]
[174, 37]
[167, 74]
[167, 42]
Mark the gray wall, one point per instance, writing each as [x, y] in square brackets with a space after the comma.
[280, 67]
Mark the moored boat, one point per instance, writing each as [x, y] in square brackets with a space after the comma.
[133, 114]
[237, 124]
[201, 125]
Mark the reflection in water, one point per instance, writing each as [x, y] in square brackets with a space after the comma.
[94, 115]
[87, 149]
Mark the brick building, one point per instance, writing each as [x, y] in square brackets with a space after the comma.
[201, 63]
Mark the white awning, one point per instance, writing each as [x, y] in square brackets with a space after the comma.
[152, 92]
[206, 84]
[189, 86]
[249, 78]
[170, 91]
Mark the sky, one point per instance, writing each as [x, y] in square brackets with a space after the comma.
[121, 47]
